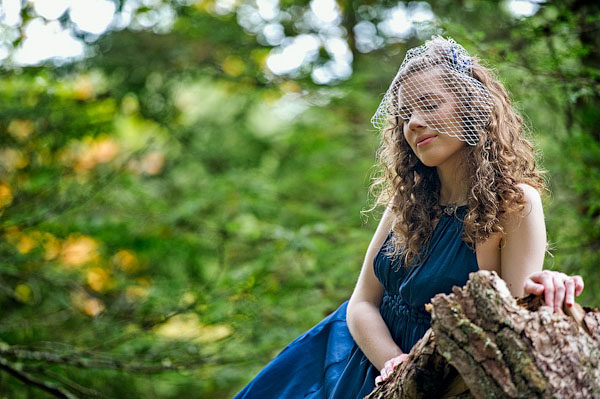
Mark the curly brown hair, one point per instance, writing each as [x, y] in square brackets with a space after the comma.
[501, 159]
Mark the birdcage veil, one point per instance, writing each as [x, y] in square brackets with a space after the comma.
[427, 74]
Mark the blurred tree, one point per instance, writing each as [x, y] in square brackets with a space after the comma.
[170, 199]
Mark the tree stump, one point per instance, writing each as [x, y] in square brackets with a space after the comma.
[485, 344]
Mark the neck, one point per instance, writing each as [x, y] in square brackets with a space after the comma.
[453, 182]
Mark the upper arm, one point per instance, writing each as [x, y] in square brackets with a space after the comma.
[368, 288]
[524, 242]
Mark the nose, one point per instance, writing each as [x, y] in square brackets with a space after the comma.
[416, 122]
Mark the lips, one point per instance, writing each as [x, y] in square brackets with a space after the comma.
[425, 139]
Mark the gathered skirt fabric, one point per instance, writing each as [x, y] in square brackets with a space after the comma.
[323, 363]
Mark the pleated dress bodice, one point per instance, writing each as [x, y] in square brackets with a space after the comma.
[447, 262]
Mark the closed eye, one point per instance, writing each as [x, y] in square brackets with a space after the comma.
[429, 107]
[405, 113]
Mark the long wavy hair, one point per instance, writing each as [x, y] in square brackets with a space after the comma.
[501, 159]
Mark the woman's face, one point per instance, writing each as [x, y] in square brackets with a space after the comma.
[429, 112]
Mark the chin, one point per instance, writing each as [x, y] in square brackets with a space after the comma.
[430, 162]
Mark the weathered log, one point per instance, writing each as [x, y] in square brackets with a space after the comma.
[485, 344]
[425, 374]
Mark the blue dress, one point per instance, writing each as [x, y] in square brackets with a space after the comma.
[326, 363]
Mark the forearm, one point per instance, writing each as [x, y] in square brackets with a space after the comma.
[371, 333]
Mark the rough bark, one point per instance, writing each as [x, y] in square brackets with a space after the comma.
[425, 374]
[485, 344]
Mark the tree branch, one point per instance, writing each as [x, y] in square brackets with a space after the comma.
[84, 360]
[32, 381]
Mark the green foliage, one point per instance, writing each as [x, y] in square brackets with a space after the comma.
[167, 203]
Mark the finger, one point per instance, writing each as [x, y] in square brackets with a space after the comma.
[559, 291]
[378, 380]
[537, 276]
[385, 373]
[570, 291]
[548, 284]
[382, 374]
[532, 288]
[390, 370]
[578, 285]
[396, 361]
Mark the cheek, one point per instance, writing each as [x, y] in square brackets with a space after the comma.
[405, 134]
[408, 146]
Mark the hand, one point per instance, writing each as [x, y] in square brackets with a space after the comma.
[556, 287]
[389, 367]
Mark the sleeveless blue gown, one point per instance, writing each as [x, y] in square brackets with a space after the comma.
[326, 363]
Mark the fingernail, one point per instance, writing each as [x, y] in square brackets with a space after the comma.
[569, 304]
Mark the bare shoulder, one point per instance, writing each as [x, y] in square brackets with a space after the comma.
[384, 227]
[532, 213]
[532, 197]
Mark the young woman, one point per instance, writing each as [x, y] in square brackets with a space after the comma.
[462, 193]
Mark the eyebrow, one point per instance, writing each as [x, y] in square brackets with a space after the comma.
[425, 96]
[430, 95]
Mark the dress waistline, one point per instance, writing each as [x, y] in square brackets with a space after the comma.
[396, 304]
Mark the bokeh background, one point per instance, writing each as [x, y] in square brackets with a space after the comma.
[181, 182]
